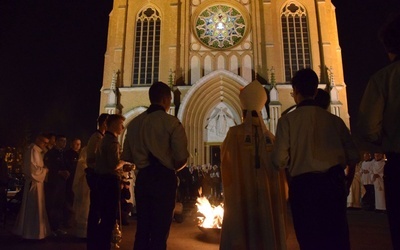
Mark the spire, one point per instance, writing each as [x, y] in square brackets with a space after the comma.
[113, 104]
[323, 76]
[171, 79]
[273, 79]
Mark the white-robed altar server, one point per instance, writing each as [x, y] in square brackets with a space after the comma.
[377, 168]
[32, 222]
[368, 199]
[81, 196]
[356, 189]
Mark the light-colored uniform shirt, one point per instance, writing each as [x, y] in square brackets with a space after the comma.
[378, 118]
[91, 148]
[108, 155]
[159, 133]
[310, 139]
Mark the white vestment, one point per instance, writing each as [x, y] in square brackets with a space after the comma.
[377, 169]
[32, 221]
[366, 173]
[356, 190]
[81, 196]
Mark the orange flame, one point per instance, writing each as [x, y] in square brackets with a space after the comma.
[212, 215]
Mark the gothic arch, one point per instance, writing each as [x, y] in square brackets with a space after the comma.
[146, 6]
[129, 116]
[203, 96]
[296, 41]
[147, 36]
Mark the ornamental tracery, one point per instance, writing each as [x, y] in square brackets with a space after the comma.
[220, 26]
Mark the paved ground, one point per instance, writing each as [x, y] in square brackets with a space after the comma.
[368, 231]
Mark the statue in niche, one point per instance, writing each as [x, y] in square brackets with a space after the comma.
[219, 121]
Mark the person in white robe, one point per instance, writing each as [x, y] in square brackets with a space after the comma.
[377, 168]
[356, 189]
[254, 194]
[81, 196]
[32, 222]
[368, 198]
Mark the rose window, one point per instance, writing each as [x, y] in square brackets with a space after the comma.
[220, 27]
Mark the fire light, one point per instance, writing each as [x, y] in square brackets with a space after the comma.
[212, 215]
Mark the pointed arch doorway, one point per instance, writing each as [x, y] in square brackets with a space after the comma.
[207, 111]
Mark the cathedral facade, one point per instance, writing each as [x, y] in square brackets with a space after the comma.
[207, 50]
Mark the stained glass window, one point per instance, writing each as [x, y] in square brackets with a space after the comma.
[220, 27]
[296, 44]
[147, 47]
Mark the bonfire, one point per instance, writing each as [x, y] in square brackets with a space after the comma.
[211, 215]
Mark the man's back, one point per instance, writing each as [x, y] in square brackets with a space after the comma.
[156, 143]
[93, 144]
[316, 141]
[156, 132]
[133, 148]
[379, 108]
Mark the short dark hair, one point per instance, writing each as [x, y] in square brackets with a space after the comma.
[102, 118]
[75, 139]
[158, 91]
[59, 136]
[114, 117]
[389, 34]
[322, 98]
[305, 81]
[48, 135]
[45, 135]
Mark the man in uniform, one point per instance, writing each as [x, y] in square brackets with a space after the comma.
[91, 148]
[379, 124]
[109, 171]
[55, 187]
[316, 147]
[156, 143]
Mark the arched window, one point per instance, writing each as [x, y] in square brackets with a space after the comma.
[296, 46]
[147, 47]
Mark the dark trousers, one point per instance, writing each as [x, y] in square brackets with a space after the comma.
[109, 196]
[55, 202]
[69, 202]
[92, 230]
[155, 191]
[318, 204]
[391, 180]
[368, 200]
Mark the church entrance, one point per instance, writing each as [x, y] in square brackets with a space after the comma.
[215, 153]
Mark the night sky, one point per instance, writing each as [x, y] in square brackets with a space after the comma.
[52, 58]
[51, 62]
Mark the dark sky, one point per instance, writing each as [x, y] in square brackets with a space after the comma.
[52, 56]
[51, 64]
[358, 24]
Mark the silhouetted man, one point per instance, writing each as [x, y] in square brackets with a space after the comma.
[379, 122]
[91, 178]
[156, 143]
[55, 187]
[316, 147]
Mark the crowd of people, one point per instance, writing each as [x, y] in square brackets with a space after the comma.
[312, 151]
[56, 193]
[367, 190]
[200, 180]
[48, 169]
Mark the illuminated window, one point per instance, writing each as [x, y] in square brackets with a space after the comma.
[220, 27]
[147, 47]
[296, 46]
